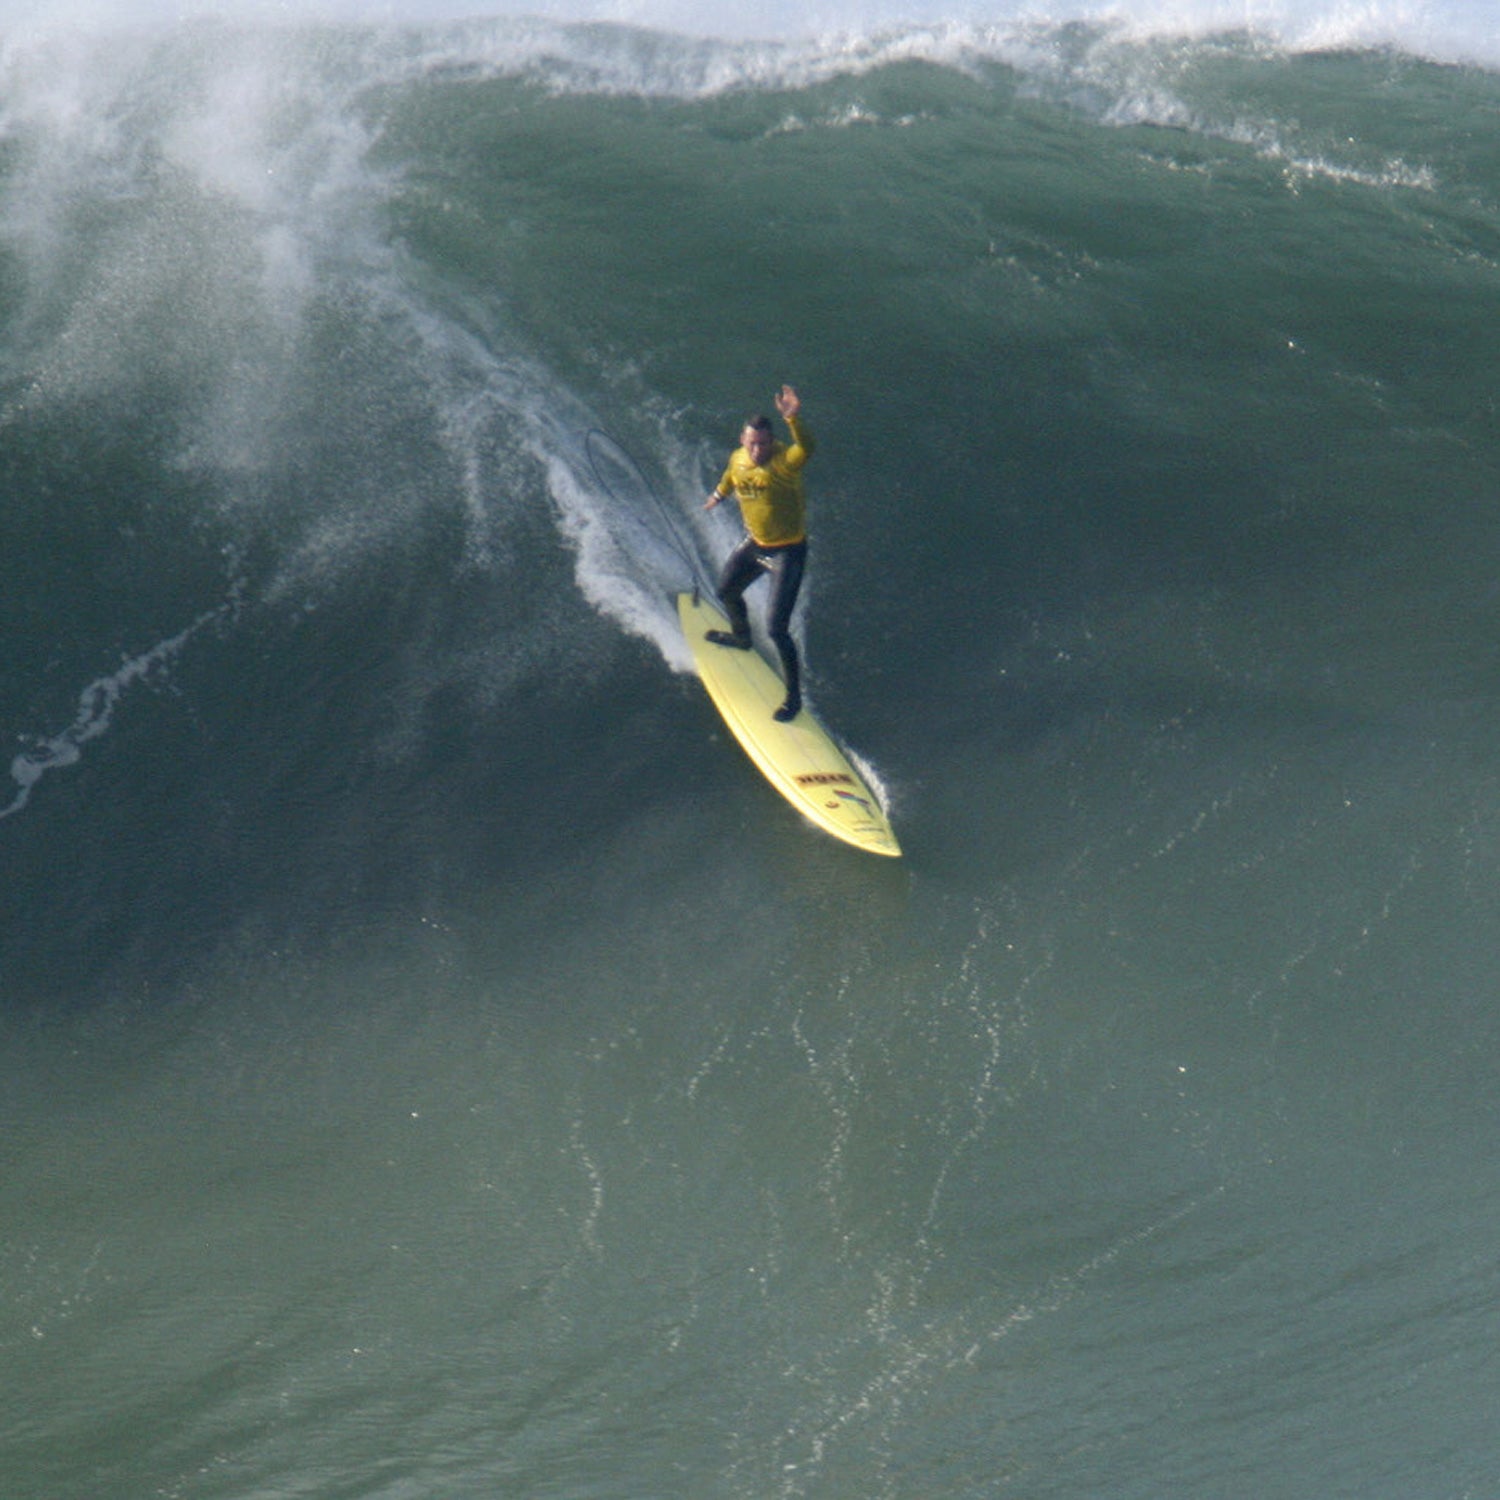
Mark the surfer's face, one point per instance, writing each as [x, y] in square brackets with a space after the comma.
[757, 443]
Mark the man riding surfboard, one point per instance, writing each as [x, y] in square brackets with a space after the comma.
[765, 476]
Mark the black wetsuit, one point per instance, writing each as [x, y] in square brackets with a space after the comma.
[785, 565]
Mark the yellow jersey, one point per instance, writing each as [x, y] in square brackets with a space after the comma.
[772, 504]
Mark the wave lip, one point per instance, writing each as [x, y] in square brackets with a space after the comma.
[791, 41]
[671, 48]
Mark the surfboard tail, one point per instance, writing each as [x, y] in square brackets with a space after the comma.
[799, 757]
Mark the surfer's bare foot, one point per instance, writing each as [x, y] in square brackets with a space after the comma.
[788, 710]
[728, 638]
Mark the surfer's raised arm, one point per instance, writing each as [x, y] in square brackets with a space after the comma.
[789, 404]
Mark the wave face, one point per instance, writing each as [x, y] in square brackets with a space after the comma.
[435, 1063]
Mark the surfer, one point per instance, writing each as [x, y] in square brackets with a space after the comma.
[765, 476]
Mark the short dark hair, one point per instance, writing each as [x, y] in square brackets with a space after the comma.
[759, 421]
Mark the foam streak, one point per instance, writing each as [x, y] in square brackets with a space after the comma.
[96, 708]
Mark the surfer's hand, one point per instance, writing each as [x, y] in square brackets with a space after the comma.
[714, 499]
[788, 403]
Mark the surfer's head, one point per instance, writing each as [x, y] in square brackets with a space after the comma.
[757, 438]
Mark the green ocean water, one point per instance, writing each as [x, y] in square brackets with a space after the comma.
[435, 1064]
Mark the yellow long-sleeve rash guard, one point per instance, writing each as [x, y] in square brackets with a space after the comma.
[772, 504]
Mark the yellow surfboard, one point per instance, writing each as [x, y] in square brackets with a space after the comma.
[799, 759]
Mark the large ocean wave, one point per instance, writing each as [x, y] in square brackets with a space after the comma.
[353, 331]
